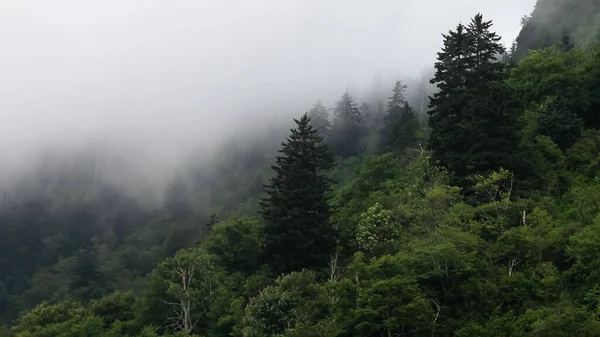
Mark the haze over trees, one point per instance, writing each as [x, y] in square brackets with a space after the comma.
[475, 213]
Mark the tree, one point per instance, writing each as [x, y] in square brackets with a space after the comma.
[473, 129]
[394, 113]
[446, 105]
[181, 291]
[296, 210]
[296, 300]
[376, 231]
[237, 244]
[87, 280]
[348, 130]
[319, 119]
[561, 81]
[67, 319]
[405, 133]
[397, 100]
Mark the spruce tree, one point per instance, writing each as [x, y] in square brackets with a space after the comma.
[319, 119]
[445, 114]
[491, 114]
[346, 138]
[405, 133]
[472, 129]
[296, 209]
[485, 48]
[394, 113]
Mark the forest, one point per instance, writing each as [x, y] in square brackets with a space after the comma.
[477, 214]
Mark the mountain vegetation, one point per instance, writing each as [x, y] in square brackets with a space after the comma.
[475, 215]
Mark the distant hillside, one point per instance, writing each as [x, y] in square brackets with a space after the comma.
[555, 22]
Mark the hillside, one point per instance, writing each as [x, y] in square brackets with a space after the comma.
[477, 217]
[555, 22]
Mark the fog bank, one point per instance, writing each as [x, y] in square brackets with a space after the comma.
[165, 77]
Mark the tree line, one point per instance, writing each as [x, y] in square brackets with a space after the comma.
[482, 222]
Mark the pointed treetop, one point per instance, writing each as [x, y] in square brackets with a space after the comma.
[398, 99]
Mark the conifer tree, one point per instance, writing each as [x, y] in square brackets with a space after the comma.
[398, 97]
[472, 129]
[405, 133]
[296, 210]
[319, 119]
[485, 48]
[447, 103]
[348, 130]
[394, 114]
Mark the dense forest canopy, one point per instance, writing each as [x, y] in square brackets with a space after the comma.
[468, 210]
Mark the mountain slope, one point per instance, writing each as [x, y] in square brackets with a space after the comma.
[553, 21]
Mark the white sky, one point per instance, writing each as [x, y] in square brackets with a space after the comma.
[175, 72]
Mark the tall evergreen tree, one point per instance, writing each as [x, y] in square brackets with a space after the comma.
[398, 97]
[472, 129]
[394, 113]
[319, 119]
[346, 138]
[405, 133]
[447, 103]
[296, 210]
[485, 48]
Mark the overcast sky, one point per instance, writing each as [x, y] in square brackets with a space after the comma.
[169, 71]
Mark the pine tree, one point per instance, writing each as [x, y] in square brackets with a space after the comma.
[485, 48]
[394, 113]
[346, 138]
[319, 119]
[405, 133]
[447, 103]
[398, 97]
[472, 129]
[296, 210]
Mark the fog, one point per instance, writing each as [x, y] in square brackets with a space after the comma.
[159, 78]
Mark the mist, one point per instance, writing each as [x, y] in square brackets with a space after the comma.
[157, 80]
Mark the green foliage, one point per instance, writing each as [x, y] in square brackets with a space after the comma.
[346, 138]
[554, 79]
[181, 291]
[388, 298]
[582, 250]
[401, 125]
[584, 156]
[294, 301]
[117, 311]
[87, 281]
[494, 231]
[553, 22]
[376, 230]
[296, 210]
[237, 244]
[66, 319]
[471, 96]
